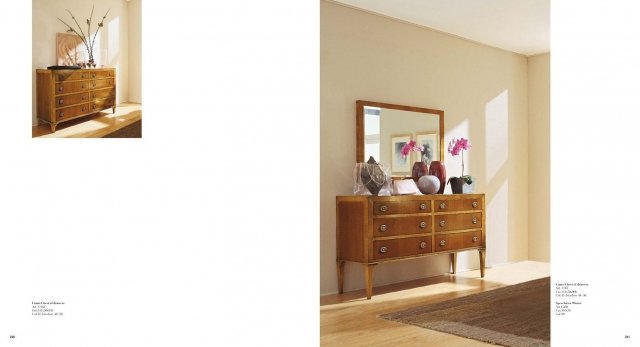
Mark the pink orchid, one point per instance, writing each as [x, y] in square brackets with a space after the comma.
[411, 146]
[457, 146]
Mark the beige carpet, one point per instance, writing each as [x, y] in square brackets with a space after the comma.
[516, 315]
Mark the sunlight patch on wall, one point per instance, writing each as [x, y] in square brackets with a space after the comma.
[496, 134]
[498, 237]
[113, 46]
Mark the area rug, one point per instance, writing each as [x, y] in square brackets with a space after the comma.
[133, 130]
[517, 315]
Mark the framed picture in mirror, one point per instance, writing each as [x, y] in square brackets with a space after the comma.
[399, 165]
[431, 152]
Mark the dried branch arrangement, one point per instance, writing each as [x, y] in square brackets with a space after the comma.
[86, 39]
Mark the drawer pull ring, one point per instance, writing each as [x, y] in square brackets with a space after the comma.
[442, 243]
[383, 249]
[423, 245]
[383, 227]
[442, 205]
[82, 108]
[83, 97]
[60, 89]
[423, 224]
[442, 223]
[61, 114]
[383, 208]
[475, 239]
[474, 204]
[474, 220]
[60, 102]
[423, 206]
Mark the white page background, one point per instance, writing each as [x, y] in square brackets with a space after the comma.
[202, 233]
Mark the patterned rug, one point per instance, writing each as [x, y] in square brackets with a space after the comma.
[517, 315]
[133, 130]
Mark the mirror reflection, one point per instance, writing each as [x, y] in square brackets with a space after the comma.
[383, 130]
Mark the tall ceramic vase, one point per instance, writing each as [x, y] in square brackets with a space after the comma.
[436, 168]
[419, 169]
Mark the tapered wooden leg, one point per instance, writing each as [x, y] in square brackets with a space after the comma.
[368, 279]
[53, 127]
[482, 257]
[340, 264]
[454, 258]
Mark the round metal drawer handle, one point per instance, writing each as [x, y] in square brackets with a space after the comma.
[60, 102]
[474, 204]
[423, 206]
[474, 220]
[442, 243]
[475, 239]
[423, 224]
[383, 208]
[383, 249]
[61, 114]
[383, 227]
[442, 223]
[443, 205]
[423, 245]
[60, 89]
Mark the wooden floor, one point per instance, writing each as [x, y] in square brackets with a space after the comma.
[98, 125]
[351, 320]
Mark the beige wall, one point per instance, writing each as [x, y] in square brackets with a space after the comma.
[135, 51]
[113, 37]
[483, 92]
[539, 157]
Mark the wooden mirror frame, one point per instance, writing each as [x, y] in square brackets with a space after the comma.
[360, 104]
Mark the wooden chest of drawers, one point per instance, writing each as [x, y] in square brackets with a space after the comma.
[373, 229]
[63, 95]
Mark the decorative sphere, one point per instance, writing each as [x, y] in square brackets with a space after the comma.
[428, 184]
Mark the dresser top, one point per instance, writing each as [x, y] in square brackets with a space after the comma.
[412, 197]
[74, 70]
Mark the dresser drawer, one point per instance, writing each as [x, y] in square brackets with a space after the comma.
[61, 76]
[72, 87]
[457, 205]
[71, 99]
[104, 83]
[102, 74]
[103, 94]
[458, 221]
[450, 242]
[401, 207]
[102, 104]
[390, 226]
[395, 248]
[70, 112]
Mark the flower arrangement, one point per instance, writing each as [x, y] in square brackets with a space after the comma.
[86, 39]
[458, 146]
[409, 147]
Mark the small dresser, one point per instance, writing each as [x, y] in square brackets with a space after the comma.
[375, 229]
[63, 95]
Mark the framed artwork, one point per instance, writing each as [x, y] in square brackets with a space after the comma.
[431, 151]
[399, 165]
[69, 49]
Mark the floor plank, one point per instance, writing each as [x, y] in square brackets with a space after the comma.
[97, 125]
[350, 320]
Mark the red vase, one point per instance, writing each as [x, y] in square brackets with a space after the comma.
[436, 168]
[419, 169]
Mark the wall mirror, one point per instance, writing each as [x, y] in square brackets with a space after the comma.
[382, 129]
